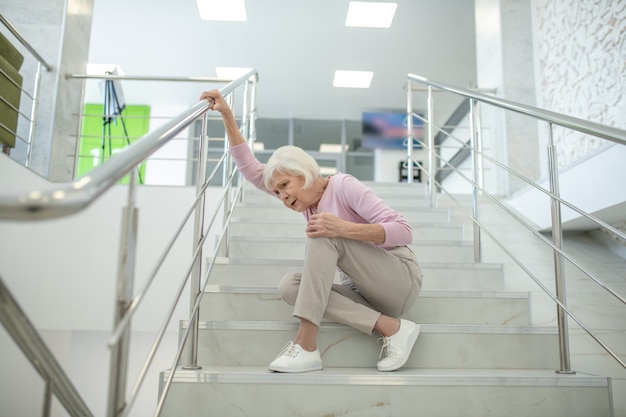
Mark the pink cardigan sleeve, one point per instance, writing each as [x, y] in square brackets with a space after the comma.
[248, 165]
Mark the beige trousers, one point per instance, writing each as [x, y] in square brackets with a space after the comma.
[375, 281]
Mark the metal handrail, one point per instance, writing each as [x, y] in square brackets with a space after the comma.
[60, 200]
[531, 183]
[596, 129]
[527, 271]
[148, 78]
[24, 42]
[195, 308]
[34, 348]
[34, 97]
[594, 219]
[65, 199]
[605, 132]
[123, 324]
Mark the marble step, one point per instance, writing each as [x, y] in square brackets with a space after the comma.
[401, 188]
[349, 392]
[387, 188]
[256, 343]
[276, 210]
[437, 276]
[225, 302]
[394, 200]
[293, 227]
[267, 247]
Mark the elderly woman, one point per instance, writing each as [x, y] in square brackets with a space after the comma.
[348, 228]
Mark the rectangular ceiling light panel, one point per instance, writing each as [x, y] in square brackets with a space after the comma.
[102, 69]
[225, 10]
[231, 73]
[353, 79]
[370, 14]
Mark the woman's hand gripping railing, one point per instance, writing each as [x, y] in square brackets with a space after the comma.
[193, 273]
[58, 200]
[65, 199]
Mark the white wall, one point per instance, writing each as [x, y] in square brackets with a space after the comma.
[505, 62]
[457, 181]
[386, 162]
[580, 60]
[63, 274]
[579, 186]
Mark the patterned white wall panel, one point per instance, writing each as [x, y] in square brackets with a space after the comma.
[581, 52]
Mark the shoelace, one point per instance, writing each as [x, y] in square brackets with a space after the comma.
[290, 350]
[387, 347]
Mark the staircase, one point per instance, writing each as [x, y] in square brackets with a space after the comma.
[477, 354]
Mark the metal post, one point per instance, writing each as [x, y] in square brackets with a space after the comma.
[344, 136]
[476, 178]
[125, 277]
[224, 250]
[47, 399]
[79, 127]
[557, 239]
[292, 128]
[28, 339]
[479, 145]
[246, 122]
[252, 132]
[251, 137]
[198, 235]
[244, 115]
[409, 134]
[432, 165]
[33, 117]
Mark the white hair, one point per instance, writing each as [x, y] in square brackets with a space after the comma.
[293, 161]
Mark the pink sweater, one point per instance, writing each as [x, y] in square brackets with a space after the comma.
[345, 196]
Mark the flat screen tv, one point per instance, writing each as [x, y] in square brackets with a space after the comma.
[388, 130]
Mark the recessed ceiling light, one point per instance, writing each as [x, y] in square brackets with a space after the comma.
[370, 14]
[102, 69]
[353, 79]
[231, 73]
[228, 10]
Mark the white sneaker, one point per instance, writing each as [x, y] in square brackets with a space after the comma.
[295, 359]
[397, 347]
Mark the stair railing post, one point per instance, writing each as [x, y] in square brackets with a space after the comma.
[124, 289]
[557, 240]
[244, 114]
[198, 236]
[33, 116]
[409, 134]
[475, 149]
[251, 138]
[47, 399]
[248, 123]
[344, 143]
[224, 250]
[432, 164]
[252, 109]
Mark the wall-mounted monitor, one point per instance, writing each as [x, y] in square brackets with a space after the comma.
[388, 130]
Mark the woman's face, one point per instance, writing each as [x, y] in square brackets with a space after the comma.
[290, 190]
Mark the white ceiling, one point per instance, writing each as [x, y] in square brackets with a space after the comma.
[296, 46]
